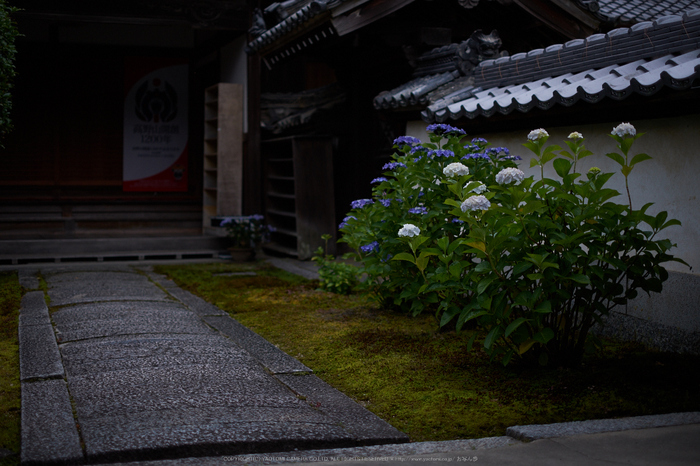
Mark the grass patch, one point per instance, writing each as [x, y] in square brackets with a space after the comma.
[423, 381]
[10, 298]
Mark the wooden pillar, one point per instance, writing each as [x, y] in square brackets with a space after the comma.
[252, 163]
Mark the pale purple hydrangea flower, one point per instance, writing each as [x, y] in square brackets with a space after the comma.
[479, 189]
[409, 230]
[623, 130]
[510, 175]
[360, 203]
[479, 202]
[455, 169]
[537, 134]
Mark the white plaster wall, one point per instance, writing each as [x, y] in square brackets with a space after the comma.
[234, 69]
[670, 180]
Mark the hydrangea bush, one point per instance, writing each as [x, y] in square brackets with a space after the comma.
[534, 263]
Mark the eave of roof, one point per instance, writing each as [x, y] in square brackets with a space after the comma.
[641, 59]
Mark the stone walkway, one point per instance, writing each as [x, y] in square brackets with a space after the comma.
[122, 365]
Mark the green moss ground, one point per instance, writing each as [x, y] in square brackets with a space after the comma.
[425, 382]
[10, 297]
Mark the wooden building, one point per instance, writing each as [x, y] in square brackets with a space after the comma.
[92, 157]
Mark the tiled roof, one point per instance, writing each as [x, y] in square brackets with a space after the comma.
[296, 21]
[641, 59]
[634, 11]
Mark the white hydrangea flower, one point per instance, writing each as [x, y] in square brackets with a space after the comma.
[624, 129]
[510, 175]
[455, 169]
[537, 134]
[409, 230]
[479, 189]
[575, 135]
[475, 203]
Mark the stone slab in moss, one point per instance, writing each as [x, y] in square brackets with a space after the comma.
[109, 319]
[274, 359]
[150, 351]
[38, 353]
[33, 310]
[208, 431]
[197, 304]
[363, 424]
[49, 433]
[86, 287]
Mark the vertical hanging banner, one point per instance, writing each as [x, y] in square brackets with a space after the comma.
[155, 125]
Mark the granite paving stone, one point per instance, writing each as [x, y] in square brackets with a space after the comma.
[268, 354]
[356, 419]
[149, 350]
[33, 310]
[28, 278]
[38, 353]
[49, 433]
[197, 304]
[87, 287]
[221, 430]
[106, 319]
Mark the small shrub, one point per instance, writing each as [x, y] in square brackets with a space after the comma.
[336, 277]
[535, 263]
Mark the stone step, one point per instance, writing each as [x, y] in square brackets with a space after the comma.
[14, 252]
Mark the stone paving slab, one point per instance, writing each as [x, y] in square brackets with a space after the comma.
[275, 360]
[28, 278]
[564, 429]
[363, 424]
[197, 304]
[150, 351]
[109, 319]
[207, 431]
[33, 310]
[150, 389]
[49, 433]
[88, 287]
[38, 353]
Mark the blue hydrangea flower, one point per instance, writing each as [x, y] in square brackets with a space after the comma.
[472, 147]
[406, 140]
[360, 203]
[379, 180]
[498, 150]
[441, 153]
[417, 159]
[415, 149]
[387, 258]
[418, 210]
[385, 202]
[393, 165]
[513, 157]
[345, 221]
[370, 248]
[456, 220]
[479, 141]
[440, 128]
[476, 156]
